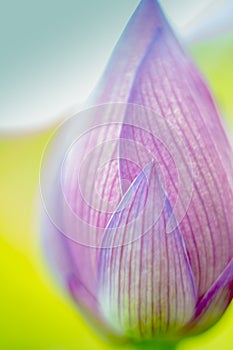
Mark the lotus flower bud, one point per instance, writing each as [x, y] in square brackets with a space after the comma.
[137, 193]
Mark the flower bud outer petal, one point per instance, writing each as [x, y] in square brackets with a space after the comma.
[213, 304]
[68, 274]
[146, 285]
[118, 77]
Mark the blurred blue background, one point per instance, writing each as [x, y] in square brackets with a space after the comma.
[53, 52]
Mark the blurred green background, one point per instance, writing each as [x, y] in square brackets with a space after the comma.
[34, 314]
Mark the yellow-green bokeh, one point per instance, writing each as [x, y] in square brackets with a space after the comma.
[33, 312]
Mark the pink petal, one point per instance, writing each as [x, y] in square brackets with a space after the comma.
[213, 304]
[146, 284]
[119, 75]
[80, 179]
[60, 255]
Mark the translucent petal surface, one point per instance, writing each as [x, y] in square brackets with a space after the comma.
[146, 284]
